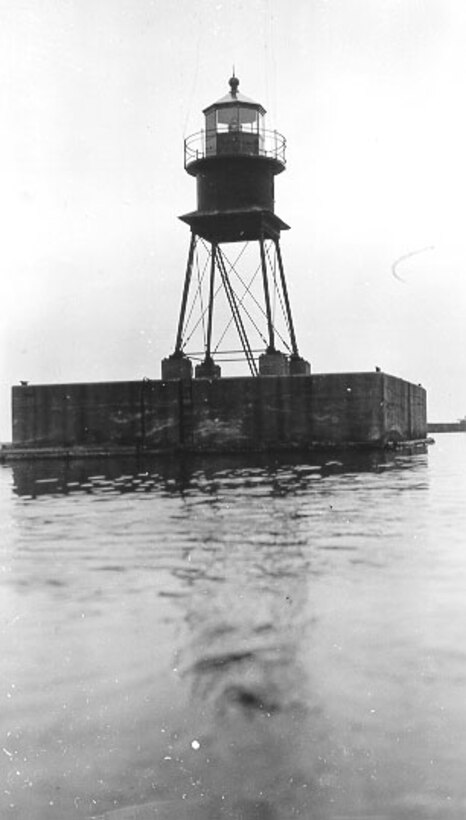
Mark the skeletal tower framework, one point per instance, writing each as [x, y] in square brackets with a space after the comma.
[234, 252]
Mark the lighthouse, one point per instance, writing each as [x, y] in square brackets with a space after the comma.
[234, 161]
[235, 306]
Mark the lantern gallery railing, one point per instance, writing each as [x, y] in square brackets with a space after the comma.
[242, 142]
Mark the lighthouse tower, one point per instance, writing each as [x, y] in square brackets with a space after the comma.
[235, 160]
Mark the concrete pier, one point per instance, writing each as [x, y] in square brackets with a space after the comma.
[219, 415]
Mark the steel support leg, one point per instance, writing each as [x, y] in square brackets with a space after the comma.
[211, 301]
[184, 300]
[268, 310]
[289, 317]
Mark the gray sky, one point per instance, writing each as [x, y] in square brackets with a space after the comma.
[96, 98]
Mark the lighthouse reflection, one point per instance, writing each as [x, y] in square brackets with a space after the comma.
[249, 712]
[251, 709]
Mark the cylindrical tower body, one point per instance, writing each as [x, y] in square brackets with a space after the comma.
[229, 183]
[235, 160]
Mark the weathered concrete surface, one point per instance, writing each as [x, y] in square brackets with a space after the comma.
[404, 406]
[228, 414]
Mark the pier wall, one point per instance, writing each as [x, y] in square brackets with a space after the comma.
[404, 406]
[222, 414]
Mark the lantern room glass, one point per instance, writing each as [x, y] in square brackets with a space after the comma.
[234, 119]
[238, 118]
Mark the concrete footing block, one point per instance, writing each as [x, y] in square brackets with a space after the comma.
[207, 370]
[274, 363]
[299, 366]
[176, 366]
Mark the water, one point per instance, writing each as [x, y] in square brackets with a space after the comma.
[235, 639]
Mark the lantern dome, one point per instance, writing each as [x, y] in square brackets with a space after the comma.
[234, 126]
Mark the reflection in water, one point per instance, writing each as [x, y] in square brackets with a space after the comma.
[228, 639]
[250, 709]
[196, 472]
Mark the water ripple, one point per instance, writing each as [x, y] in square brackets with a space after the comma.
[267, 638]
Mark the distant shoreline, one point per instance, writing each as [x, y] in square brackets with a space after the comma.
[447, 427]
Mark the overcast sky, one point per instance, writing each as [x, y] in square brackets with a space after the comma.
[96, 98]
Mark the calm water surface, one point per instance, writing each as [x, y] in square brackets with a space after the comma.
[232, 639]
